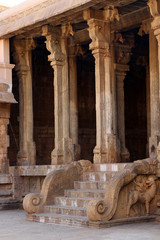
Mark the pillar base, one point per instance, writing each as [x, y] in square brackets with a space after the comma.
[125, 156]
[26, 158]
[153, 146]
[64, 153]
[4, 164]
[109, 154]
[76, 151]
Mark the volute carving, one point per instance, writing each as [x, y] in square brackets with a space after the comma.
[145, 28]
[112, 13]
[123, 45]
[154, 6]
[53, 44]
[98, 34]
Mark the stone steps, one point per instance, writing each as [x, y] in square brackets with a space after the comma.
[90, 185]
[99, 175]
[73, 202]
[110, 167]
[68, 210]
[84, 193]
[71, 209]
[58, 219]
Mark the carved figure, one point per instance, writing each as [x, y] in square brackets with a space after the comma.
[145, 193]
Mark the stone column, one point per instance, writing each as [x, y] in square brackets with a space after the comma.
[154, 51]
[73, 99]
[22, 57]
[121, 71]
[56, 44]
[123, 45]
[106, 149]
[6, 98]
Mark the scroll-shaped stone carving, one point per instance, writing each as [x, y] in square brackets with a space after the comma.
[54, 185]
[145, 193]
[105, 209]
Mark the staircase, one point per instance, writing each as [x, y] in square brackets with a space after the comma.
[6, 195]
[71, 209]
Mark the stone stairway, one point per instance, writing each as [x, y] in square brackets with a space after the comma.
[6, 193]
[71, 209]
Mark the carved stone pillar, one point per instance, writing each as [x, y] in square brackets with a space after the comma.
[22, 57]
[154, 143]
[73, 99]
[123, 46]
[106, 149]
[56, 44]
[6, 98]
[121, 71]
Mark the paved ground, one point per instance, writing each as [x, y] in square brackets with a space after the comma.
[14, 227]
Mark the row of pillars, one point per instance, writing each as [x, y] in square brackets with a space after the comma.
[63, 61]
[110, 131]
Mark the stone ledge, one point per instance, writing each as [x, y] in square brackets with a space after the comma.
[5, 179]
[33, 171]
[84, 222]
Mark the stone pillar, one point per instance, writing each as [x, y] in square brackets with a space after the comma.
[154, 51]
[56, 44]
[106, 149]
[123, 45]
[6, 98]
[148, 108]
[73, 99]
[22, 58]
[121, 71]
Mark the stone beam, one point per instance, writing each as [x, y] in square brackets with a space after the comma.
[131, 20]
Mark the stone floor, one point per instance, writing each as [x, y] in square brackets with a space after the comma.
[14, 226]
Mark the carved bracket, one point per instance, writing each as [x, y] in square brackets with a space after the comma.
[154, 6]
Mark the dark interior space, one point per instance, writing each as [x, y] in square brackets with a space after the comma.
[86, 103]
[43, 103]
[135, 99]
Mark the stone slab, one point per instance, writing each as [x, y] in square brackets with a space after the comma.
[35, 170]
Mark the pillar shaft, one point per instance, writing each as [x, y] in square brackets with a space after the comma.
[154, 95]
[73, 99]
[106, 142]
[120, 76]
[22, 56]
[57, 45]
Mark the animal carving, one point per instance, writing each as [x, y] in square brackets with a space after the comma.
[145, 193]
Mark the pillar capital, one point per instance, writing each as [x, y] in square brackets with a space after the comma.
[99, 29]
[145, 27]
[53, 44]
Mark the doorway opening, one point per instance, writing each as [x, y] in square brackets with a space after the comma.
[135, 91]
[86, 103]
